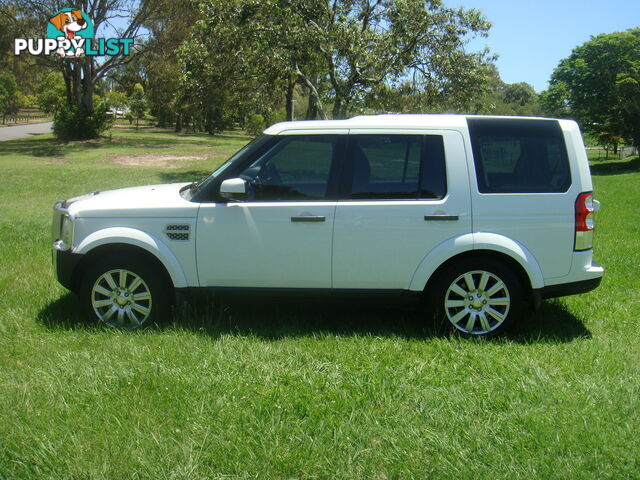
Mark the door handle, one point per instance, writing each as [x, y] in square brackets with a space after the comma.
[308, 218]
[440, 218]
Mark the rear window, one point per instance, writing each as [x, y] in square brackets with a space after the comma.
[519, 156]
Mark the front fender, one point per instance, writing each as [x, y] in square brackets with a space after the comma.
[138, 238]
[476, 241]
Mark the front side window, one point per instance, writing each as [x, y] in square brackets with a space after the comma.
[519, 156]
[295, 168]
[397, 166]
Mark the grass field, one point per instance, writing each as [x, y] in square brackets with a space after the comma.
[287, 391]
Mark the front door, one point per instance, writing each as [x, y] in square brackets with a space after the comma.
[282, 236]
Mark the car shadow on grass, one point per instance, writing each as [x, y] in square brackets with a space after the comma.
[275, 319]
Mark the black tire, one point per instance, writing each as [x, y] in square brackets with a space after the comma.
[126, 306]
[486, 310]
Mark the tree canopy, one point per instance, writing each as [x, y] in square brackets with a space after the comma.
[9, 95]
[338, 52]
[599, 86]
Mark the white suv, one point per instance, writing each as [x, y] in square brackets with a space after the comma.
[476, 215]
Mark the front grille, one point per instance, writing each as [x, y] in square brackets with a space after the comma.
[178, 232]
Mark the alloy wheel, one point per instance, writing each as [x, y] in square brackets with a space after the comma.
[477, 302]
[120, 298]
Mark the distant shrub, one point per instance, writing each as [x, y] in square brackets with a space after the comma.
[74, 123]
[254, 124]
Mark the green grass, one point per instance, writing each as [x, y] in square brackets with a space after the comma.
[290, 391]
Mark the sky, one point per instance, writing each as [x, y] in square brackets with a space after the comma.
[532, 36]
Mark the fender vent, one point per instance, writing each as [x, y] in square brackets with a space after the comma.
[178, 232]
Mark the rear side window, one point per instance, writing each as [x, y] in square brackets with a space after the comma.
[519, 156]
[397, 166]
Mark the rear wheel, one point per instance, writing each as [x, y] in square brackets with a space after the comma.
[125, 291]
[478, 297]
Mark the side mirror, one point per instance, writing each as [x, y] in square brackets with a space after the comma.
[234, 189]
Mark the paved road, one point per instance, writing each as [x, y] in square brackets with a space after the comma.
[19, 131]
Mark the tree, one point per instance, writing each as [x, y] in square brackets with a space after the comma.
[117, 100]
[234, 64]
[502, 98]
[367, 43]
[138, 103]
[520, 93]
[50, 93]
[169, 27]
[9, 96]
[599, 86]
[28, 69]
[338, 51]
[254, 124]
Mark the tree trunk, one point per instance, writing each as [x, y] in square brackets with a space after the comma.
[340, 108]
[87, 85]
[66, 74]
[208, 121]
[312, 109]
[77, 85]
[289, 100]
[312, 106]
[313, 92]
[337, 109]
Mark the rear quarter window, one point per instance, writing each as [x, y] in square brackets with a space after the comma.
[519, 156]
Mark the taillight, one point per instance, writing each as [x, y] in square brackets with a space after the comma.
[585, 221]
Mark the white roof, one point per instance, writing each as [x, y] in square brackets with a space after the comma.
[379, 121]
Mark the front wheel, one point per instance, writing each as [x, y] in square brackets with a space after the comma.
[125, 292]
[478, 298]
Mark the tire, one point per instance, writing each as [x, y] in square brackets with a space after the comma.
[126, 291]
[477, 297]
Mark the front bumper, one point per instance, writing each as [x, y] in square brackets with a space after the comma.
[64, 264]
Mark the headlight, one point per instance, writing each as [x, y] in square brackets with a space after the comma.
[66, 230]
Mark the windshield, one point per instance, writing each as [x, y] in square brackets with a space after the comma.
[257, 142]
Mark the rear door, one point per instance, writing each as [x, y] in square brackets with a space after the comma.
[523, 187]
[402, 195]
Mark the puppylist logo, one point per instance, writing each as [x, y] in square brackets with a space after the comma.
[70, 33]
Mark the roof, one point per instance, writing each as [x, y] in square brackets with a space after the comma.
[380, 121]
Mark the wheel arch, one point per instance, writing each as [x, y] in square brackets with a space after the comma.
[131, 241]
[498, 247]
[513, 264]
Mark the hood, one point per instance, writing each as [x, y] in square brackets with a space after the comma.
[144, 202]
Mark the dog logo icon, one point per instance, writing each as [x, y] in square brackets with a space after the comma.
[73, 28]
